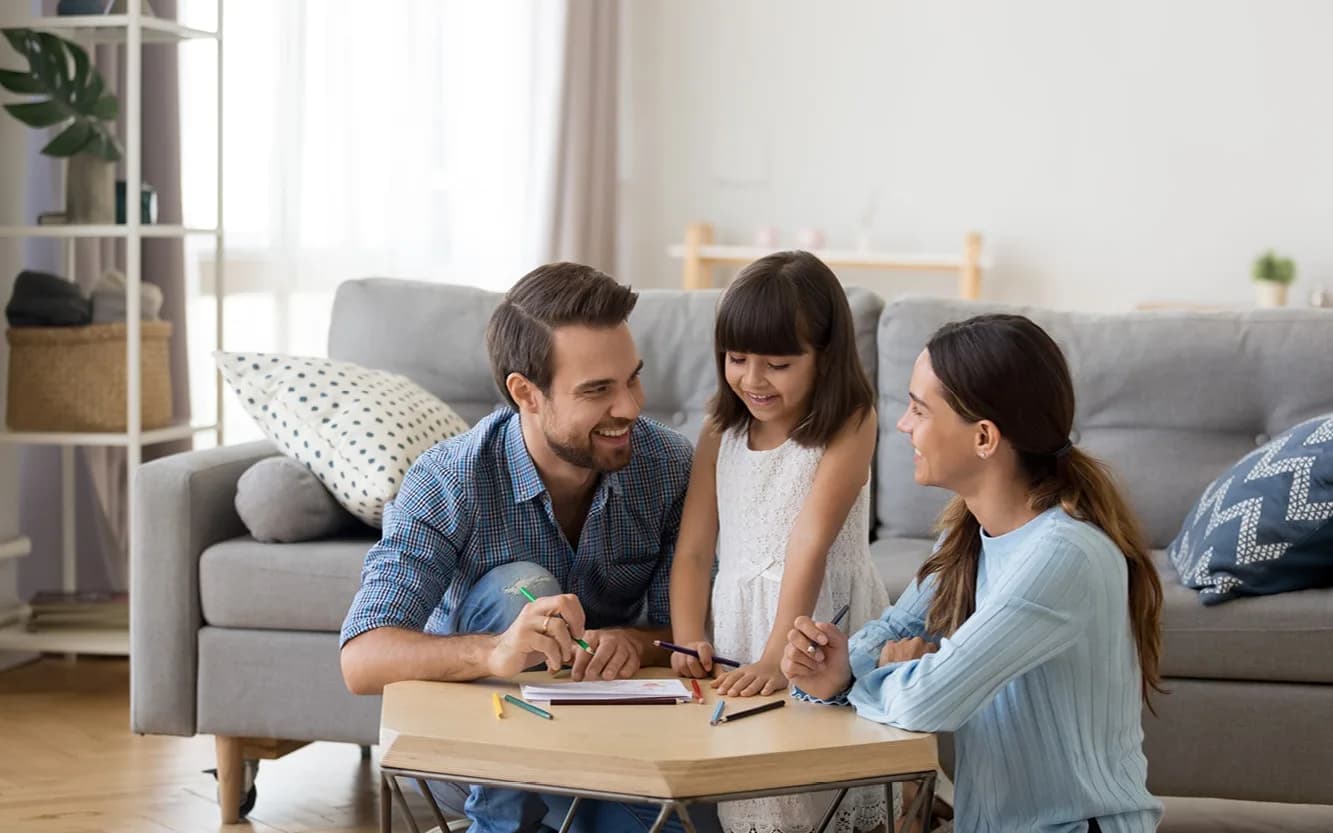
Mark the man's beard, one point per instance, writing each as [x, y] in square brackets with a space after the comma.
[584, 456]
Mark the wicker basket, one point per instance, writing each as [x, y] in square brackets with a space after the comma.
[73, 378]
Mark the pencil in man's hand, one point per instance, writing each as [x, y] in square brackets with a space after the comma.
[528, 595]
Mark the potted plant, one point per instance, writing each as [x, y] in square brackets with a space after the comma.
[71, 95]
[1272, 276]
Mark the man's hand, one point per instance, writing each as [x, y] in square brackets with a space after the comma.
[749, 680]
[905, 649]
[617, 653]
[815, 659]
[687, 666]
[546, 629]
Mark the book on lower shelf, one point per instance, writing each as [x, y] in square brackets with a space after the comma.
[51, 610]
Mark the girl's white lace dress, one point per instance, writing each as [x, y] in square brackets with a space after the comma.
[759, 495]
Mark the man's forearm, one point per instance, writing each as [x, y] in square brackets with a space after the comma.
[387, 655]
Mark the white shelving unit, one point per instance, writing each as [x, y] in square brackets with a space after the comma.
[133, 30]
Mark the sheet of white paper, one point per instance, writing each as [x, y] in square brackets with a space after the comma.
[609, 690]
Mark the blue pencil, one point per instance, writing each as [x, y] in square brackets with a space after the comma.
[717, 713]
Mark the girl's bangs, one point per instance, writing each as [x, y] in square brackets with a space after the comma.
[760, 317]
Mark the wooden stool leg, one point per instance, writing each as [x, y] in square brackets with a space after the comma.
[231, 777]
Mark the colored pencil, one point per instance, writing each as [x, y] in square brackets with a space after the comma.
[836, 619]
[767, 707]
[497, 705]
[841, 613]
[527, 595]
[681, 649]
[698, 694]
[717, 713]
[629, 701]
[528, 707]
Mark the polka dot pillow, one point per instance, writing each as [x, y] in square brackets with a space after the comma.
[357, 429]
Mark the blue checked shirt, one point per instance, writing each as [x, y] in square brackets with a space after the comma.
[475, 502]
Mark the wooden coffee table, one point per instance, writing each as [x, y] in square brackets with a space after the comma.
[664, 755]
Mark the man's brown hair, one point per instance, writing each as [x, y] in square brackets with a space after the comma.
[518, 337]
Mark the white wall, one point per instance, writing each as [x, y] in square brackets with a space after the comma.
[1112, 153]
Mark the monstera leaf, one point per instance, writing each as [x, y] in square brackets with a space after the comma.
[71, 94]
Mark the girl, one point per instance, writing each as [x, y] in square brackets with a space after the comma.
[780, 490]
[1033, 631]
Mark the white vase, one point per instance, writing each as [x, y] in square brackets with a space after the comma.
[90, 190]
[1271, 293]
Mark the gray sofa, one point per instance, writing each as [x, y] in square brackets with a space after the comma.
[238, 639]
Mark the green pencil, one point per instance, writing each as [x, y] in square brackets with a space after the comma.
[527, 595]
[528, 707]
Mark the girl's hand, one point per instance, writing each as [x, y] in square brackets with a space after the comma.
[903, 650]
[752, 679]
[687, 666]
[815, 659]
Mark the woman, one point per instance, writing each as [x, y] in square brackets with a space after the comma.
[1033, 631]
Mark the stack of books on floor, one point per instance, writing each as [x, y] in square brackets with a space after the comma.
[52, 610]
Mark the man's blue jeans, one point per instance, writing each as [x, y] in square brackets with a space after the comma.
[490, 607]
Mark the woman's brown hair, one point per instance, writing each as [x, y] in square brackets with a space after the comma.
[783, 305]
[1006, 369]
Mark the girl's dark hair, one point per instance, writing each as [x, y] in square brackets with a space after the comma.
[783, 305]
[1006, 369]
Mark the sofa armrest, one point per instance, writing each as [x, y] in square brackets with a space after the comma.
[185, 503]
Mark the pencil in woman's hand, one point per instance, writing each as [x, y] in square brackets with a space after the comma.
[837, 617]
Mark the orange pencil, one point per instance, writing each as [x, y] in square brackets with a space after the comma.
[698, 695]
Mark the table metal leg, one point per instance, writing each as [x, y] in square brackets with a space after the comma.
[923, 805]
[668, 808]
[928, 806]
[434, 807]
[831, 811]
[569, 816]
[683, 810]
[386, 805]
[402, 805]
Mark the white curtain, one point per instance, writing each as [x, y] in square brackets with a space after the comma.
[449, 140]
[426, 139]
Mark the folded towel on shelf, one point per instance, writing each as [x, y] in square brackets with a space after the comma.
[109, 299]
[43, 300]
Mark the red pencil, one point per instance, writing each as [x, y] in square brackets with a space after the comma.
[698, 695]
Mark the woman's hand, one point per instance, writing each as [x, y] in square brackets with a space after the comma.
[749, 680]
[903, 650]
[815, 659]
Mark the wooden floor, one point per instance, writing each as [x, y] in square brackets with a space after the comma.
[69, 764]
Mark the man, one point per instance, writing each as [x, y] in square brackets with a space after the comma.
[568, 493]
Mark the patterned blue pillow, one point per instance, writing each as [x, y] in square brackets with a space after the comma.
[1266, 525]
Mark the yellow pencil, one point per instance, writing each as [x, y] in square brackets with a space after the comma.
[499, 706]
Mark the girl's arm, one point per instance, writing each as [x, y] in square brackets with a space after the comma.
[843, 471]
[692, 568]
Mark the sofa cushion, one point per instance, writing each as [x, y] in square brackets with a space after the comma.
[304, 586]
[1272, 639]
[1265, 525]
[280, 501]
[357, 429]
[1168, 399]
